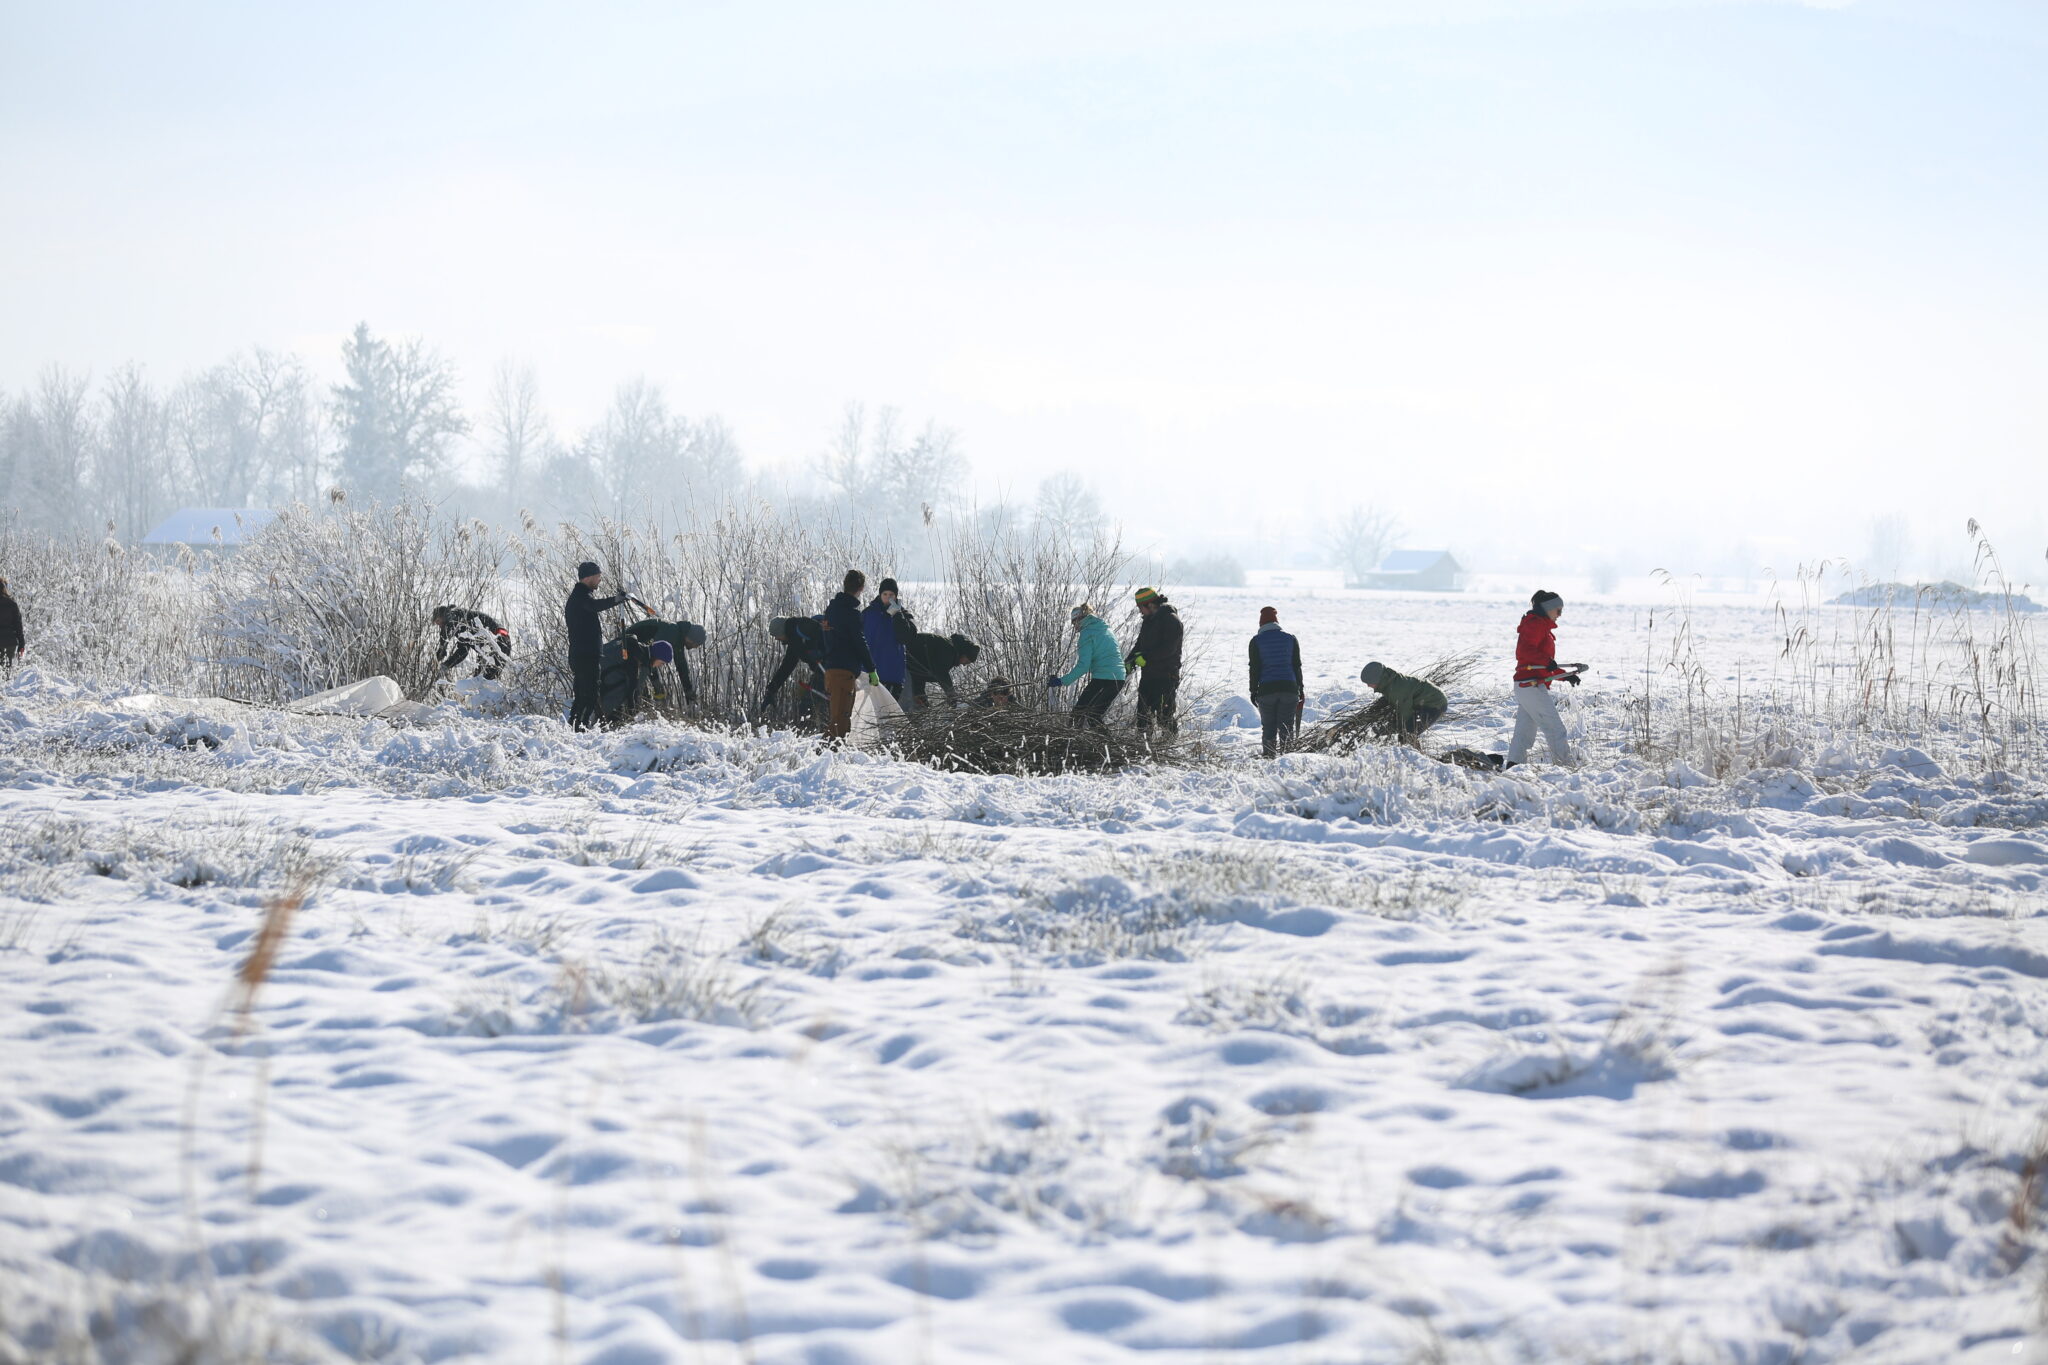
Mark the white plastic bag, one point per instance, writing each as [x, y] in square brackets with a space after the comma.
[365, 698]
[871, 706]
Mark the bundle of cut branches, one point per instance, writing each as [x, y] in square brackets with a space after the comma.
[1014, 740]
[1364, 722]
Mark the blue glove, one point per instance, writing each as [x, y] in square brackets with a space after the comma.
[1054, 681]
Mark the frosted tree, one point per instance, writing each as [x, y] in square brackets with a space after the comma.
[50, 436]
[1067, 504]
[520, 439]
[395, 414]
[132, 465]
[1360, 539]
[636, 453]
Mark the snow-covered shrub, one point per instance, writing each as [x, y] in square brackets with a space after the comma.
[99, 612]
[728, 569]
[326, 597]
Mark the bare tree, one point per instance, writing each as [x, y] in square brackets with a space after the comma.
[518, 430]
[1360, 539]
[637, 451]
[53, 459]
[843, 466]
[132, 460]
[1069, 505]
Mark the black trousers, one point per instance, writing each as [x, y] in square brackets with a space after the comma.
[583, 703]
[1157, 704]
[1094, 702]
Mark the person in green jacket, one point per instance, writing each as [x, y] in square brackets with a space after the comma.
[1418, 703]
[1097, 656]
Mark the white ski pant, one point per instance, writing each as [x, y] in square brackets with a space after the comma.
[1536, 709]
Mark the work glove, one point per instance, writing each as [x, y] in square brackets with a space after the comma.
[894, 607]
[1572, 678]
[874, 680]
[1137, 661]
[1053, 681]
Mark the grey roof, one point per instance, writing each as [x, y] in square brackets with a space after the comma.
[1414, 561]
[195, 525]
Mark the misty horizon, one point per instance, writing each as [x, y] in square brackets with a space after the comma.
[1568, 287]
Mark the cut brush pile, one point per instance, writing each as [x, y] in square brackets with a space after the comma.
[983, 740]
[1364, 722]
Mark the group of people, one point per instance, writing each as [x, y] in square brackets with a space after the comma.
[831, 653]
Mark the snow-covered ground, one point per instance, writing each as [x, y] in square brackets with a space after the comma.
[670, 1046]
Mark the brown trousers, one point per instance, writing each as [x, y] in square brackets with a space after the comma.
[839, 687]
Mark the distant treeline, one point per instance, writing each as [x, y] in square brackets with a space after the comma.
[260, 430]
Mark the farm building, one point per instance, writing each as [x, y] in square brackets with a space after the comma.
[1418, 571]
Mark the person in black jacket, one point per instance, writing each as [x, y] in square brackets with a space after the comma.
[803, 646]
[1157, 652]
[846, 653]
[583, 612]
[464, 631]
[13, 639]
[932, 659]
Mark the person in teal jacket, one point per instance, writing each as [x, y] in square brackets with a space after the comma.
[1098, 657]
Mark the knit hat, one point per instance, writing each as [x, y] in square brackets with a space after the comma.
[693, 635]
[1078, 612]
[778, 626]
[1372, 673]
[587, 569]
[887, 585]
[662, 652]
[1543, 601]
[1269, 616]
[1145, 596]
[964, 647]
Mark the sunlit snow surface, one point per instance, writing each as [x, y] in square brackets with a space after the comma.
[663, 1046]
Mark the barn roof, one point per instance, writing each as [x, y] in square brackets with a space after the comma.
[195, 525]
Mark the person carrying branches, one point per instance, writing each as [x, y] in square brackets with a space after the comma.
[1536, 668]
[1417, 702]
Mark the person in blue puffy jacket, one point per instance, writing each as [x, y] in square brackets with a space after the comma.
[887, 625]
[1098, 657]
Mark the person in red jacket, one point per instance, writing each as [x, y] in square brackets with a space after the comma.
[1536, 668]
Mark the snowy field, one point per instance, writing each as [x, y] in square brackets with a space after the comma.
[666, 1046]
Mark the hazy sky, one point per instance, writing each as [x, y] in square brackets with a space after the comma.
[1545, 276]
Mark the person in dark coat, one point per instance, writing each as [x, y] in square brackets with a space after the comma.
[681, 637]
[932, 659]
[1157, 653]
[803, 646]
[13, 638]
[464, 632]
[846, 653]
[1276, 681]
[584, 614]
[889, 629]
